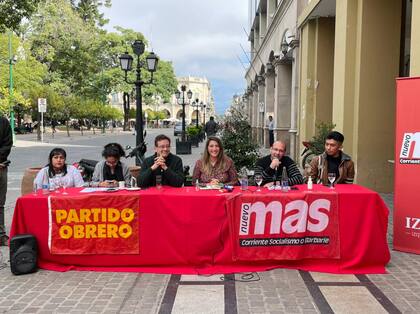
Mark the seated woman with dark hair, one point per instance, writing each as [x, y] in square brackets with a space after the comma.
[57, 170]
[111, 170]
[215, 167]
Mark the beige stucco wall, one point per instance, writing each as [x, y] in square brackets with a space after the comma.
[379, 66]
[324, 69]
[366, 48]
[366, 65]
[306, 95]
[415, 40]
[316, 81]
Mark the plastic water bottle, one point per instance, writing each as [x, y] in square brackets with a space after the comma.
[244, 181]
[45, 183]
[284, 180]
[310, 183]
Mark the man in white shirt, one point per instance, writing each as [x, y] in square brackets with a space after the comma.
[270, 125]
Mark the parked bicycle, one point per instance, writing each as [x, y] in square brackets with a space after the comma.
[307, 154]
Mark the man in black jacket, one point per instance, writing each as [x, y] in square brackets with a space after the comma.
[211, 127]
[162, 163]
[271, 166]
[6, 142]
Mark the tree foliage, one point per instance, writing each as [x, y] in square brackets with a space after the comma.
[317, 143]
[65, 56]
[13, 11]
[237, 139]
[89, 12]
[63, 43]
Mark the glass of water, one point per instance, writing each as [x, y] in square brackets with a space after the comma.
[63, 185]
[35, 189]
[331, 178]
[133, 182]
[158, 181]
[258, 180]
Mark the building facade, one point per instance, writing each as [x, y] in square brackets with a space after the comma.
[201, 89]
[201, 93]
[349, 54]
[273, 76]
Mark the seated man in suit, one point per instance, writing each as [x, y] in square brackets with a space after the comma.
[163, 164]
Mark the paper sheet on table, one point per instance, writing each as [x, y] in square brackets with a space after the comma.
[210, 187]
[90, 190]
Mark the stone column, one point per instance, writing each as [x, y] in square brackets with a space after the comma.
[294, 151]
[366, 62]
[282, 108]
[269, 100]
[263, 24]
[254, 111]
[261, 107]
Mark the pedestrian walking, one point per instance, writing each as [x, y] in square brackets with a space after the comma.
[211, 127]
[270, 126]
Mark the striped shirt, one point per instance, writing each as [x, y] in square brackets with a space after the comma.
[269, 175]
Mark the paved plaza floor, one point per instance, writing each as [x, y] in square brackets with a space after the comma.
[275, 291]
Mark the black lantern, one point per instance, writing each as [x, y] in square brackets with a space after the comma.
[126, 62]
[204, 112]
[284, 47]
[182, 100]
[197, 106]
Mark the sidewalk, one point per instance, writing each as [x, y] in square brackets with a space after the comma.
[275, 291]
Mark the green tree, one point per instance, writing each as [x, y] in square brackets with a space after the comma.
[164, 83]
[237, 140]
[13, 11]
[18, 98]
[156, 115]
[70, 110]
[88, 10]
[65, 45]
[27, 74]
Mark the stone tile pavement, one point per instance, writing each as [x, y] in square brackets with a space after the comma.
[275, 291]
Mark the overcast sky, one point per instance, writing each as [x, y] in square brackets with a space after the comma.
[201, 38]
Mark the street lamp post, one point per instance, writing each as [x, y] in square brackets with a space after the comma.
[126, 62]
[182, 100]
[196, 105]
[204, 112]
[11, 111]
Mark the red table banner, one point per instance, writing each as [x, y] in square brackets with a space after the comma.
[83, 225]
[407, 167]
[287, 226]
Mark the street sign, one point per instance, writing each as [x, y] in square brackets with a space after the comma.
[42, 105]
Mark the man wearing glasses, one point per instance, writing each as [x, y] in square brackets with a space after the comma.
[271, 166]
[163, 165]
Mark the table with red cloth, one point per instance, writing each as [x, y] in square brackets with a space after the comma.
[185, 231]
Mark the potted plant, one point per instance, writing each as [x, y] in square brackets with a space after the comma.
[193, 135]
[237, 140]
